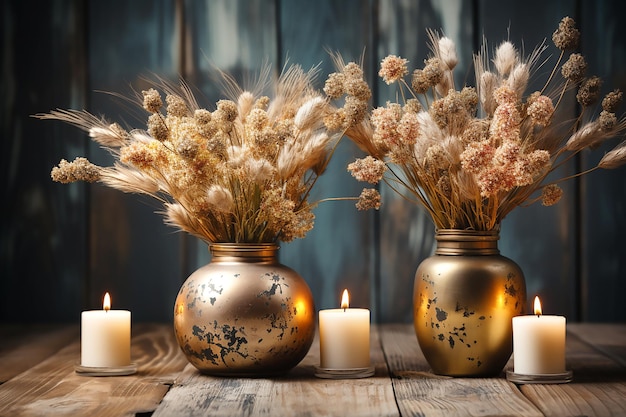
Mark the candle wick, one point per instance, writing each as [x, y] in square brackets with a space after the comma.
[344, 309]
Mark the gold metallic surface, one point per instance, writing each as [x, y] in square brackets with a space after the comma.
[244, 313]
[464, 299]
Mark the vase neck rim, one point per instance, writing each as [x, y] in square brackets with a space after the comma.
[244, 252]
[467, 242]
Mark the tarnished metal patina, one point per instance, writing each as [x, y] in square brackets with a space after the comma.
[464, 299]
[244, 313]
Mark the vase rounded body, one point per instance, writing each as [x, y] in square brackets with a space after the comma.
[244, 313]
[464, 299]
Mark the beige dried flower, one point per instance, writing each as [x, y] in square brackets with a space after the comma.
[176, 106]
[551, 194]
[419, 82]
[614, 158]
[612, 101]
[152, 100]
[447, 52]
[393, 68]
[575, 68]
[242, 173]
[541, 110]
[589, 91]
[78, 170]
[470, 156]
[566, 36]
[369, 199]
[506, 58]
[368, 169]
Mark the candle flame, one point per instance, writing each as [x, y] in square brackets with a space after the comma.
[106, 304]
[345, 299]
[537, 306]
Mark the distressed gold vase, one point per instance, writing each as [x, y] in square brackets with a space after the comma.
[464, 299]
[244, 313]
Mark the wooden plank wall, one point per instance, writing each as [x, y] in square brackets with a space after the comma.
[63, 246]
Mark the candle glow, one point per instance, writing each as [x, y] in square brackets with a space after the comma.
[105, 336]
[106, 303]
[539, 343]
[344, 336]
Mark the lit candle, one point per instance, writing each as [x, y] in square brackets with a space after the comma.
[105, 337]
[539, 343]
[344, 336]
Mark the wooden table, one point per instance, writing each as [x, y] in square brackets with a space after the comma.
[37, 378]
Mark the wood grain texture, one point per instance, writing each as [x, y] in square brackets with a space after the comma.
[298, 393]
[421, 393]
[53, 388]
[596, 353]
[24, 346]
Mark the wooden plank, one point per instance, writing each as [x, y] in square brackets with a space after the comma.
[421, 393]
[298, 393]
[599, 386]
[610, 339]
[53, 388]
[22, 347]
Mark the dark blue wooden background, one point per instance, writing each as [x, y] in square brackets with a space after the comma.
[63, 246]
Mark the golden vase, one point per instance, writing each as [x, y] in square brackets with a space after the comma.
[244, 313]
[464, 299]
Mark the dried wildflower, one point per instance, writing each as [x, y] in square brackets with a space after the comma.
[541, 110]
[78, 170]
[353, 71]
[612, 101]
[586, 136]
[358, 88]
[433, 72]
[419, 82]
[369, 199]
[488, 83]
[477, 156]
[393, 68]
[157, 128]
[575, 68]
[447, 52]
[506, 58]
[112, 136]
[614, 158]
[607, 121]
[412, 106]
[152, 100]
[334, 86]
[176, 106]
[242, 173]
[589, 91]
[518, 79]
[354, 111]
[187, 148]
[368, 169]
[566, 36]
[470, 156]
[551, 194]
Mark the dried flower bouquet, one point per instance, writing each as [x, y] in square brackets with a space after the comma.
[471, 155]
[241, 173]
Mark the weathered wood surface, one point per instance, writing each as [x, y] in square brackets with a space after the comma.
[421, 393]
[52, 388]
[38, 367]
[298, 393]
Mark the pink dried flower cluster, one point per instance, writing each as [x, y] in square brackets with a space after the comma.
[239, 173]
[470, 156]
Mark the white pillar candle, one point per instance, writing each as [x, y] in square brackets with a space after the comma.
[344, 337]
[539, 343]
[105, 337]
